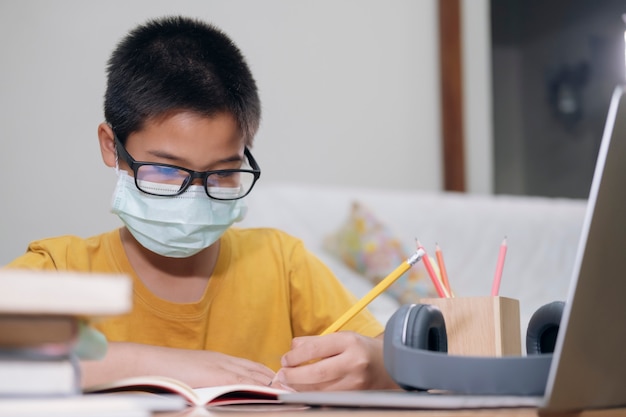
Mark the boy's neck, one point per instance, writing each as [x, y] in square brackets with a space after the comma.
[174, 279]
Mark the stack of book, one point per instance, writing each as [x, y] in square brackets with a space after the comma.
[36, 355]
[42, 317]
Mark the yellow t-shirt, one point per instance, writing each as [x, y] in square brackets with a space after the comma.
[266, 288]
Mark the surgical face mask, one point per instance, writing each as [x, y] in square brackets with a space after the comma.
[176, 227]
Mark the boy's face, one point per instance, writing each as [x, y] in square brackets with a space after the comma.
[190, 141]
[184, 139]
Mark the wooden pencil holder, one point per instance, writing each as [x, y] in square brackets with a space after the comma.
[480, 326]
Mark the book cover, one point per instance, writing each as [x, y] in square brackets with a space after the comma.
[35, 330]
[37, 372]
[202, 397]
[25, 291]
[91, 406]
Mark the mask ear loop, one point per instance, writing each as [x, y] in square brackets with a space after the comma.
[117, 165]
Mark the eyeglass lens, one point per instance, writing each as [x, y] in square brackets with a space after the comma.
[165, 180]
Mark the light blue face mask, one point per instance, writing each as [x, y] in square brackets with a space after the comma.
[176, 227]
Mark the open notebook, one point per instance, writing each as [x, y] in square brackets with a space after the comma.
[587, 370]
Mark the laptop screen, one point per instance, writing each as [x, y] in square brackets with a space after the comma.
[588, 370]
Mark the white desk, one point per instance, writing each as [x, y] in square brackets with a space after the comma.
[280, 411]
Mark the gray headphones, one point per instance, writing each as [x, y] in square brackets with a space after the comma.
[415, 355]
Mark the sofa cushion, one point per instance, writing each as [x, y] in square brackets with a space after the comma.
[369, 247]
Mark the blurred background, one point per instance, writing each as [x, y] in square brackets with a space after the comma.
[351, 93]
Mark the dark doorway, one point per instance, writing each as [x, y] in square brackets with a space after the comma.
[555, 65]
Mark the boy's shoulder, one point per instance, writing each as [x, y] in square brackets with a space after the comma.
[70, 252]
[73, 241]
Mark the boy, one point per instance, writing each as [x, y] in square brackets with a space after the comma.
[213, 305]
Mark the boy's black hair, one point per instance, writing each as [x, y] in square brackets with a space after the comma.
[177, 63]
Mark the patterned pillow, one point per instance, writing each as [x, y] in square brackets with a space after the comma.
[368, 247]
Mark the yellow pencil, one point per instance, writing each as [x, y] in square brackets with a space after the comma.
[375, 292]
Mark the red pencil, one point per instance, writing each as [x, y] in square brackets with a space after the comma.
[441, 291]
[495, 288]
[442, 268]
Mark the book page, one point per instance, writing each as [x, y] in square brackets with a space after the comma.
[151, 383]
[237, 394]
[219, 395]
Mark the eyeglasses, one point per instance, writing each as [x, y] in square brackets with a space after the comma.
[170, 180]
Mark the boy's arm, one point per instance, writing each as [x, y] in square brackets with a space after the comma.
[196, 368]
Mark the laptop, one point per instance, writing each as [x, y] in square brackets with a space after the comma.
[588, 370]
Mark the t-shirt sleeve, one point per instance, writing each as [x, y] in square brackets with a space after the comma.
[36, 257]
[63, 253]
[318, 298]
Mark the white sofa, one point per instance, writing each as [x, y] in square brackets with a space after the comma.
[542, 235]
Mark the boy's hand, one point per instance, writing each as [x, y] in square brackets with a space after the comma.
[197, 368]
[338, 361]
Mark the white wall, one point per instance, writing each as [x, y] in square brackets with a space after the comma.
[349, 89]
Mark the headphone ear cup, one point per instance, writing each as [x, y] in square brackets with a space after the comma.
[543, 328]
[425, 328]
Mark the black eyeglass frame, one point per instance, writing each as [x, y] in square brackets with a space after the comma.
[135, 165]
